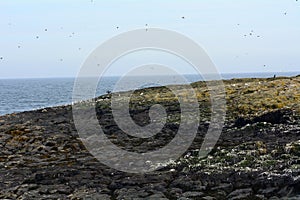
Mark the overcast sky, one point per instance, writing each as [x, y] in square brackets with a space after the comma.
[52, 38]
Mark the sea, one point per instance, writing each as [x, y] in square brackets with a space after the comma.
[17, 95]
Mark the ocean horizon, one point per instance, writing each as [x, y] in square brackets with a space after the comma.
[25, 94]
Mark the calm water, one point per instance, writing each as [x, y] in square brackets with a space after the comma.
[18, 95]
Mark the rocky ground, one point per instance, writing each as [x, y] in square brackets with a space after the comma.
[256, 157]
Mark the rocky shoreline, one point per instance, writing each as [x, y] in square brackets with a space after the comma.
[256, 157]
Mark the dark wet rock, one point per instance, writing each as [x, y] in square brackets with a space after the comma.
[274, 117]
[209, 198]
[268, 191]
[175, 192]
[240, 194]
[193, 194]
[227, 187]
[89, 194]
[256, 157]
[157, 196]
[130, 193]
[184, 183]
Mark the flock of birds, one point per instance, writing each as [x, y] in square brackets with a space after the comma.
[117, 27]
[71, 35]
[251, 33]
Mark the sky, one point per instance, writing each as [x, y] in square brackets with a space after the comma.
[53, 38]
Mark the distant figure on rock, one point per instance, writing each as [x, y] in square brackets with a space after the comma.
[274, 76]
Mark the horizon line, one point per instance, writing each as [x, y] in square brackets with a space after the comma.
[110, 76]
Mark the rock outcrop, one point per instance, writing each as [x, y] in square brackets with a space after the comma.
[256, 157]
